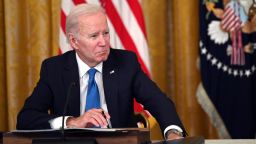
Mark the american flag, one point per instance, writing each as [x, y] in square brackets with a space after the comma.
[232, 23]
[227, 92]
[127, 29]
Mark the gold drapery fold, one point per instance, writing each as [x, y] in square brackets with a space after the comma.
[184, 39]
[30, 36]
[3, 102]
[156, 24]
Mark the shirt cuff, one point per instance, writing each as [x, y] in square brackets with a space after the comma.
[56, 123]
[172, 127]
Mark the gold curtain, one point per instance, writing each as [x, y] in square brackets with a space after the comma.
[29, 34]
[173, 34]
[29, 31]
[185, 76]
[156, 24]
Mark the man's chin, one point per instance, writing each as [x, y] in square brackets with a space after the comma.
[103, 57]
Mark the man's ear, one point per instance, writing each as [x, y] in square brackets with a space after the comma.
[72, 40]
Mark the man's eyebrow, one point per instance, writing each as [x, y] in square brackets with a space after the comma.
[93, 33]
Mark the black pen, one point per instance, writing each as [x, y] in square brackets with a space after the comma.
[108, 126]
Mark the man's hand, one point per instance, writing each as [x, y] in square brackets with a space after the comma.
[92, 117]
[174, 134]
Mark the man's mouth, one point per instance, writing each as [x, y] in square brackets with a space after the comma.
[102, 52]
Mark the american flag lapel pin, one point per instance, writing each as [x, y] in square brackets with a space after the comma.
[111, 72]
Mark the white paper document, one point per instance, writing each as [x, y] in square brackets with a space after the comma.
[70, 129]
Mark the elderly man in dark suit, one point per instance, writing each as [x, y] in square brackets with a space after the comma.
[103, 80]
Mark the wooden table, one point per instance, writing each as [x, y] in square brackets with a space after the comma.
[124, 136]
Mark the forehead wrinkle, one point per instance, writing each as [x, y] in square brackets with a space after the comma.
[86, 26]
[83, 27]
[84, 23]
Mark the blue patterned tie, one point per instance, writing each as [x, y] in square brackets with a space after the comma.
[93, 97]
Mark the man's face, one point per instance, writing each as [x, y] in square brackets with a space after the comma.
[92, 44]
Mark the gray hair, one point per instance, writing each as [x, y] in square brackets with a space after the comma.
[81, 9]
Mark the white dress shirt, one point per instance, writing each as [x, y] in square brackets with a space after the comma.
[83, 79]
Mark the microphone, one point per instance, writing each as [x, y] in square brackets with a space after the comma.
[72, 84]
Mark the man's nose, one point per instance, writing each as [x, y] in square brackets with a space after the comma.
[102, 40]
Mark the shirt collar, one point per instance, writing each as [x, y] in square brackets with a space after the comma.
[83, 67]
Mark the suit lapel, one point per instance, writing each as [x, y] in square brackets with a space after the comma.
[71, 75]
[110, 77]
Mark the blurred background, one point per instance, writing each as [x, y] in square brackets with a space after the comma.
[29, 33]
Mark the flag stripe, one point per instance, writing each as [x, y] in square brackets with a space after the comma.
[135, 32]
[114, 40]
[76, 2]
[63, 21]
[122, 31]
[66, 6]
[64, 47]
[137, 11]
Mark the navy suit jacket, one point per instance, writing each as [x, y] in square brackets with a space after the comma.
[126, 83]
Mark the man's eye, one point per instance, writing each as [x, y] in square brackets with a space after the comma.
[106, 33]
[93, 36]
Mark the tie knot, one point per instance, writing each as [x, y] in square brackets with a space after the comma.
[92, 72]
